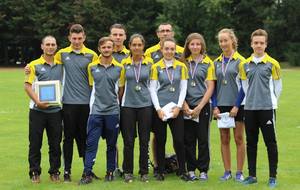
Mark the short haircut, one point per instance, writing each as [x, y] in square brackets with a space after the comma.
[76, 28]
[231, 35]
[133, 36]
[48, 36]
[192, 36]
[119, 26]
[167, 40]
[103, 40]
[260, 32]
[164, 23]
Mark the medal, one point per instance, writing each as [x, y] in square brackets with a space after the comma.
[170, 77]
[138, 88]
[193, 70]
[172, 89]
[137, 75]
[193, 83]
[224, 67]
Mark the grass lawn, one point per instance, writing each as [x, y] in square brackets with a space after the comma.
[14, 147]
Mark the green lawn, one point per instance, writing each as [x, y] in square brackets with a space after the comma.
[14, 146]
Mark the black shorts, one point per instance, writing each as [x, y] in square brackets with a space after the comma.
[240, 116]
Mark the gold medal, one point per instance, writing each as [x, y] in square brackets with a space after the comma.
[193, 83]
[224, 81]
[172, 89]
[138, 88]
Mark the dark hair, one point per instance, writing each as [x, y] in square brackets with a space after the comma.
[164, 23]
[48, 36]
[103, 40]
[119, 26]
[76, 28]
[136, 36]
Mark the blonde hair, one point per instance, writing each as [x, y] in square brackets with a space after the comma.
[232, 36]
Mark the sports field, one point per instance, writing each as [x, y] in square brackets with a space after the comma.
[14, 147]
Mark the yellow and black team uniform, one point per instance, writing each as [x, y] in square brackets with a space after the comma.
[49, 119]
[155, 53]
[76, 98]
[262, 86]
[198, 131]
[120, 55]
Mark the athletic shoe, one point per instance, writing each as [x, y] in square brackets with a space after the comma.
[250, 180]
[192, 176]
[35, 178]
[227, 176]
[118, 172]
[145, 178]
[128, 177]
[67, 176]
[86, 179]
[155, 171]
[184, 177]
[239, 177]
[109, 176]
[94, 176]
[160, 177]
[203, 176]
[55, 177]
[272, 182]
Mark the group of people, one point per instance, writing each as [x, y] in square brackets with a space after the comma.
[127, 90]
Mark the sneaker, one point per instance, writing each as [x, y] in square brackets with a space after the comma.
[155, 171]
[67, 176]
[128, 178]
[109, 176]
[272, 182]
[55, 177]
[86, 179]
[239, 177]
[118, 172]
[184, 177]
[192, 176]
[145, 178]
[35, 178]
[94, 176]
[250, 180]
[203, 176]
[227, 176]
[160, 177]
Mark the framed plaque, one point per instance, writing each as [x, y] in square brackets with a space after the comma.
[48, 91]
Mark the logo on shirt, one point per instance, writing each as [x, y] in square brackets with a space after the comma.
[128, 67]
[156, 56]
[269, 122]
[117, 126]
[67, 58]
[43, 69]
[161, 71]
[97, 70]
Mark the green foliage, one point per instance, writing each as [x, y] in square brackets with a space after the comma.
[24, 23]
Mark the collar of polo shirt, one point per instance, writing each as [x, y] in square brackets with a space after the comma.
[205, 60]
[124, 50]
[264, 60]
[234, 56]
[113, 61]
[82, 51]
[163, 66]
[128, 61]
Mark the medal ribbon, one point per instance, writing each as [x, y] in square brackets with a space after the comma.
[224, 65]
[170, 77]
[137, 74]
[197, 61]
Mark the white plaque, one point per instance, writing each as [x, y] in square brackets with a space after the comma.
[48, 91]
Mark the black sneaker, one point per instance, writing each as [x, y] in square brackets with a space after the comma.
[55, 177]
[35, 178]
[184, 177]
[160, 177]
[94, 176]
[145, 178]
[109, 176]
[86, 179]
[118, 172]
[128, 177]
[67, 176]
